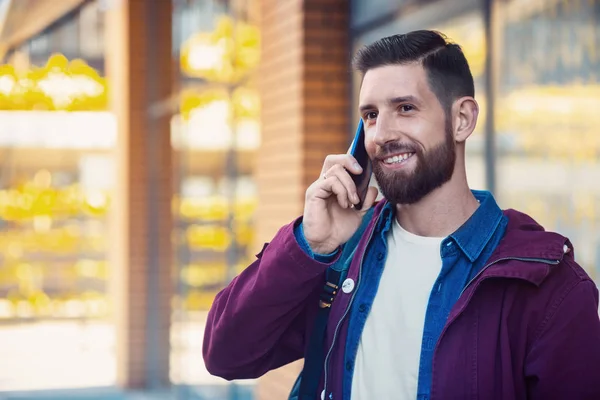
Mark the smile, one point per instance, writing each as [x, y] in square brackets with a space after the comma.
[397, 159]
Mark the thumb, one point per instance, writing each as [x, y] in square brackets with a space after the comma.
[369, 199]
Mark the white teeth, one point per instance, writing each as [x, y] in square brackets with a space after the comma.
[397, 159]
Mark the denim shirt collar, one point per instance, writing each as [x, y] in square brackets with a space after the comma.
[476, 232]
[472, 237]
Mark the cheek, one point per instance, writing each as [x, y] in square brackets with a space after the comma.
[370, 145]
[430, 134]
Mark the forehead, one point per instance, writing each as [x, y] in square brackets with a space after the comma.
[382, 83]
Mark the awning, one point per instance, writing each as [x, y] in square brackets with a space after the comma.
[22, 19]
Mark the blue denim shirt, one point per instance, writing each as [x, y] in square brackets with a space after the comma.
[464, 253]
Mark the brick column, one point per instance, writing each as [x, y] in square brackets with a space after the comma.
[305, 93]
[139, 69]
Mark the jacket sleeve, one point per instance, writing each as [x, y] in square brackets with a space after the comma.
[301, 239]
[259, 321]
[564, 361]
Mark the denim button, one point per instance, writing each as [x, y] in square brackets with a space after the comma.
[348, 366]
[362, 308]
[380, 256]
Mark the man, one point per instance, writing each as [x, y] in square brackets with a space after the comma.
[446, 296]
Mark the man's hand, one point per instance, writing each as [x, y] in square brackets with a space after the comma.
[330, 219]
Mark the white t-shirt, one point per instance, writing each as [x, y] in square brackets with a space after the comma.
[387, 362]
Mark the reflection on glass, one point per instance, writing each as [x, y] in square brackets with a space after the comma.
[215, 135]
[548, 119]
[55, 189]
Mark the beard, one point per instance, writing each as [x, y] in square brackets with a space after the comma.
[433, 168]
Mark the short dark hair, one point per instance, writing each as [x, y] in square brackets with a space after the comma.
[447, 68]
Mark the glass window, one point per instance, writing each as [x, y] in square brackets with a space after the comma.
[215, 134]
[56, 183]
[69, 37]
[55, 188]
[366, 11]
[90, 38]
[548, 118]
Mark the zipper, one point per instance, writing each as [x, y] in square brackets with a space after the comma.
[337, 327]
[538, 260]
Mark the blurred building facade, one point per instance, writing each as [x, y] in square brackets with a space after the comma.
[151, 147]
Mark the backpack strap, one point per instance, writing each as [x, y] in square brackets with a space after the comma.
[315, 355]
[313, 360]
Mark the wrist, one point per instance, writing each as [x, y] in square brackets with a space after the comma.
[322, 248]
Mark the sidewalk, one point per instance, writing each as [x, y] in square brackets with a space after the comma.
[219, 392]
[52, 360]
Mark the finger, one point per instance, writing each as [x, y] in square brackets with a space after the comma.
[345, 160]
[344, 177]
[370, 198]
[340, 191]
[333, 186]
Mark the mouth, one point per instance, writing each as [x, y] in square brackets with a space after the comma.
[397, 159]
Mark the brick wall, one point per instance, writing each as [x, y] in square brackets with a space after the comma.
[139, 72]
[304, 84]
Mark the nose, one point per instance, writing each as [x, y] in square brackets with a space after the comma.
[385, 132]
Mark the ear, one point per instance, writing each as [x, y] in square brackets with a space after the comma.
[465, 112]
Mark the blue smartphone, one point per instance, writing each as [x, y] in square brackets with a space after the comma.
[359, 152]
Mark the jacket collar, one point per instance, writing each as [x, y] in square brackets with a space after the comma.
[527, 251]
[531, 249]
[525, 238]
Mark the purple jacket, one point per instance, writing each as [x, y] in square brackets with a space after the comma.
[520, 330]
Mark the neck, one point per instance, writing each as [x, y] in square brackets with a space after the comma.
[442, 211]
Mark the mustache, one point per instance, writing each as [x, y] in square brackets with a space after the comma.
[394, 148]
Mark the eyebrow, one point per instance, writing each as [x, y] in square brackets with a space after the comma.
[392, 101]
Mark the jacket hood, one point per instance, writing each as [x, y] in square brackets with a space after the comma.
[525, 238]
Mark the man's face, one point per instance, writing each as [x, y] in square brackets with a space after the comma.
[407, 134]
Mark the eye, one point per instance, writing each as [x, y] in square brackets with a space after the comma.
[370, 115]
[407, 107]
